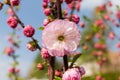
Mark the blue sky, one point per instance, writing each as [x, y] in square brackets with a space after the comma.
[30, 13]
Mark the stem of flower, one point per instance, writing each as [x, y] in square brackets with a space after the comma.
[15, 74]
[51, 68]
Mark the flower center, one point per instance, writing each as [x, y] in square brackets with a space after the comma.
[61, 38]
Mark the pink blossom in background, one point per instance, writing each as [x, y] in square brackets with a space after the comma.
[61, 37]
[10, 12]
[118, 44]
[111, 35]
[82, 24]
[118, 14]
[9, 51]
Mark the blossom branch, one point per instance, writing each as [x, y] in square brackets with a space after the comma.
[22, 25]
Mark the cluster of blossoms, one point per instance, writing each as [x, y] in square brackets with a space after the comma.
[10, 51]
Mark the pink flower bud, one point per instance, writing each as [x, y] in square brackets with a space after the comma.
[14, 2]
[72, 74]
[98, 35]
[45, 22]
[10, 12]
[99, 77]
[45, 54]
[118, 14]
[58, 73]
[116, 24]
[40, 66]
[82, 71]
[111, 35]
[77, 6]
[98, 22]
[75, 18]
[12, 22]
[9, 51]
[12, 70]
[97, 45]
[110, 3]
[118, 45]
[17, 70]
[31, 46]
[28, 31]
[99, 53]
[103, 46]
[106, 17]
[44, 4]
[82, 24]
[47, 11]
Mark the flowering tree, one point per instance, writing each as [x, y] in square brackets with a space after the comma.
[61, 36]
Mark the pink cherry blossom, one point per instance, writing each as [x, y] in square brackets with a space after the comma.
[12, 22]
[28, 31]
[118, 14]
[61, 37]
[98, 22]
[118, 45]
[72, 74]
[98, 35]
[99, 77]
[14, 2]
[111, 35]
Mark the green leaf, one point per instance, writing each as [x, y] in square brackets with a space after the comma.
[86, 18]
[41, 28]
[17, 8]
[4, 51]
[57, 78]
[75, 59]
[16, 64]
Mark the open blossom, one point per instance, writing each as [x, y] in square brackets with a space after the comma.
[73, 74]
[28, 31]
[12, 22]
[14, 2]
[61, 37]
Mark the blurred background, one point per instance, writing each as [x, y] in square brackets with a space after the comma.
[96, 61]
